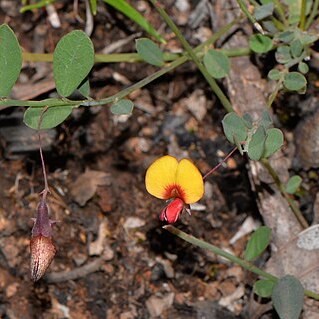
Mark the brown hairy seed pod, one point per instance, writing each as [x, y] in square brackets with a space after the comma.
[41, 246]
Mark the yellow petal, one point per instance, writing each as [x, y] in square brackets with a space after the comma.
[160, 176]
[189, 178]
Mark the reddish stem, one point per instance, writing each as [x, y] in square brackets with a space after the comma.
[219, 164]
[46, 189]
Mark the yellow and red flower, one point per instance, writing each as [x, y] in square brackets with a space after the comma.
[177, 181]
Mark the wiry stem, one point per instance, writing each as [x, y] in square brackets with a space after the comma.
[219, 164]
[46, 189]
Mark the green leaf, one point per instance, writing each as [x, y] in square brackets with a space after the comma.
[130, 12]
[294, 81]
[234, 126]
[256, 144]
[274, 74]
[288, 297]
[54, 116]
[149, 51]
[307, 38]
[73, 58]
[216, 63]
[282, 54]
[122, 107]
[296, 48]
[293, 184]
[264, 11]
[93, 6]
[260, 43]
[84, 88]
[248, 120]
[274, 141]
[303, 67]
[286, 36]
[266, 120]
[10, 60]
[257, 243]
[264, 288]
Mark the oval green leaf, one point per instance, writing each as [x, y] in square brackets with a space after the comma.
[257, 144]
[294, 81]
[296, 48]
[10, 60]
[303, 67]
[264, 288]
[122, 107]
[288, 297]
[234, 126]
[54, 116]
[216, 63]
[149, 52]
[274, 141]
[274, 74]
[260, 43]
[257, 243]
[293, 184]
[73, 58]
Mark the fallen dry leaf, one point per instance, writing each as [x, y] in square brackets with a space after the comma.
[84, 188]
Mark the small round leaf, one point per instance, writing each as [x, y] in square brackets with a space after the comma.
[122, 107]
[264, 288]
[260, 43]
[73, 59]
[256, 144]
[54, 116]
[303, 67]
[149, 51]
[296, 48]
[216, 63]
[234, 126]
[274, 74]
[294, 81]
[274, 141]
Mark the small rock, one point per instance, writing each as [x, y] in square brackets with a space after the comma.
[156, 305]
[133, 222]
[97, 247]
[12, 289]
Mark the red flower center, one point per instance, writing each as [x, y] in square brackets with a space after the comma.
[174, 191]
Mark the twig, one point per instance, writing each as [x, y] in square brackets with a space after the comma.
[77, 273]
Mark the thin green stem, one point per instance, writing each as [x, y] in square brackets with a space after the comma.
[4, 102]
[38, 5]
[213, 84]
[273, 95]
[250, 17]
[281, 187]
[314, 12]
[241, 262]
[302, 20]
[99, 58]
[281, 12]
